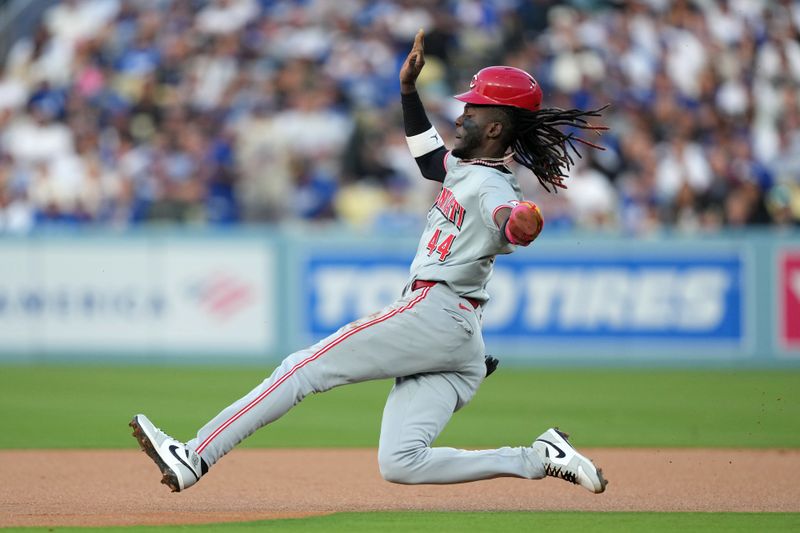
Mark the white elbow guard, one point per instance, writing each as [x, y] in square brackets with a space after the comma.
[424, 142]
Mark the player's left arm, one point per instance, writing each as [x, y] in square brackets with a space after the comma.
[520, 224]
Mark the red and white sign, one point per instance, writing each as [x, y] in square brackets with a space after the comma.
[789, 287]
[179, 298]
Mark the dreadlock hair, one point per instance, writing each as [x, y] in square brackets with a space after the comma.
[538, 143]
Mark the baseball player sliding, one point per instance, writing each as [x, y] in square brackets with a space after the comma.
[430, 339]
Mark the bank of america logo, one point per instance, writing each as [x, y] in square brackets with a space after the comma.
[222, 295]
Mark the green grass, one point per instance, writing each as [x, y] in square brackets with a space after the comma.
[90, 406]
[615, 522]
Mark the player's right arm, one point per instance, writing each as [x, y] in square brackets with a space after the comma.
[424, 142]
[521, 224]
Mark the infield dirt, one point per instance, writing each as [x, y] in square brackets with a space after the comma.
[121, 487]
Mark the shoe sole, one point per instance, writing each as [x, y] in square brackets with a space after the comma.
[603, 481]
[169, 478]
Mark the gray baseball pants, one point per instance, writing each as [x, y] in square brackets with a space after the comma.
[430, 341]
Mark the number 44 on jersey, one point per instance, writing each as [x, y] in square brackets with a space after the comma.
[443, 248]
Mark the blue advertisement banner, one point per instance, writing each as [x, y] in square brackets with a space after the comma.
[665, 299]
[342, 287]
[696, 297]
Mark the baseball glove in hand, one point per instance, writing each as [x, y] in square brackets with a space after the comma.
[491, 365]
[524, 224]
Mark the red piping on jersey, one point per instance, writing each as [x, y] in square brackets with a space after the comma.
[313, 357]
[498, 208]
[444, 161]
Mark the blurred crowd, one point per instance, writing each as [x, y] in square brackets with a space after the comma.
[120, 113]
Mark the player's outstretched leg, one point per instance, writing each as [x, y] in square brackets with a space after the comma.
[417, 410]
[180, 466]
[563, 461]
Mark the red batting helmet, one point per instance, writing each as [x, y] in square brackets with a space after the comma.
[507, 86]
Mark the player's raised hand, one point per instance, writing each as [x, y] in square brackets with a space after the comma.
[413, 64]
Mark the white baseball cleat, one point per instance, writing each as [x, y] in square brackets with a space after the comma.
[563, 461]
[180, 466]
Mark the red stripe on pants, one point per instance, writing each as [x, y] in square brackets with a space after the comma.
[313, 357]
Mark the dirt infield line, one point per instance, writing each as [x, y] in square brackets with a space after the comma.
[121, 487]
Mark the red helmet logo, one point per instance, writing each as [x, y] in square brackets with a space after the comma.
[507, 86]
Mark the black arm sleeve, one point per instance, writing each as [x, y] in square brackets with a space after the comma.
[432, 164]
[416, 121]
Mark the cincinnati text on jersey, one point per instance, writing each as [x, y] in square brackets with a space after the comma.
[447, 205]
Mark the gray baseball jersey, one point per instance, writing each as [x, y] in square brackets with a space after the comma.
[461, 238]
[429, 340]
